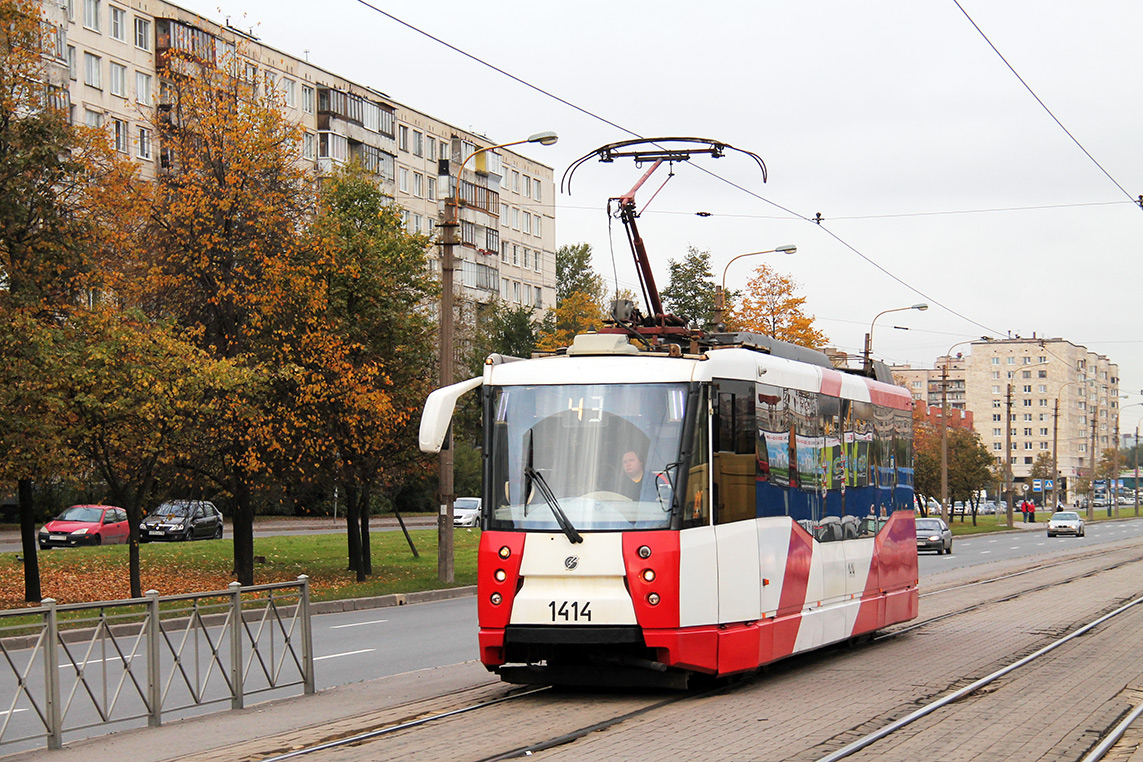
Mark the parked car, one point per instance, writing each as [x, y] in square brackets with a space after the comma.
[1065, 522]
[86, 525]
[466, 512]
[182, 520]
[934, 534]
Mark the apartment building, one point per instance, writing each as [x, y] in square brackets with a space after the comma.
[936, 386]
[1047, 395]
[109, 55]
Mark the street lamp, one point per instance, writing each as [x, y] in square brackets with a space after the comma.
[869, 336]
[720, 291]
[445, 568]
[945, 426]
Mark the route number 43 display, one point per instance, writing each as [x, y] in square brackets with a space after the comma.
[570, 611]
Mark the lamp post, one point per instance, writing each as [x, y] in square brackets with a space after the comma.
[945, 514]
[868, 365]
[445, 567]
[720, 291]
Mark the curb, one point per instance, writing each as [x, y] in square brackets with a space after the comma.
[386, 601]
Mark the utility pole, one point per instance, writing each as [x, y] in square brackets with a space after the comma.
[1091, 486]
[1055, 455]
[945, 441]
[1114, 480]
[445, 565]
[1008, 458]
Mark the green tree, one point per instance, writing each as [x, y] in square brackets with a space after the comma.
[134, 389]
[690, 291]
[367, 382]
[574, 273]
[970, 467]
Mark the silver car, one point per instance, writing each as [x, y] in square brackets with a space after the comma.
[466, 512]
[933, 534]
[1065, 522]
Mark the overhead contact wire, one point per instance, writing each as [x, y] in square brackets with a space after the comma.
[1045, 106]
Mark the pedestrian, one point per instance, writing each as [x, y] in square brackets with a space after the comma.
[1032, 511]
[1024, 510]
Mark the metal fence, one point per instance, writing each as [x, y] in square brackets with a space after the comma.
[76, 666]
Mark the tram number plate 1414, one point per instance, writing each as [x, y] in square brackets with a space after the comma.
[570, 611]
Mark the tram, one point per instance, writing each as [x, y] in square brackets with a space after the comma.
[661, 502]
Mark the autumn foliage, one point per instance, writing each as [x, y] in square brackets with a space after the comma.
[771, 306]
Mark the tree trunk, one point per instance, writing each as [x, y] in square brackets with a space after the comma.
[32, 592]
[243, 529]
[366, 568]
[353, 530]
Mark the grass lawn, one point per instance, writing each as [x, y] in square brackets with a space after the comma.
[75, 575]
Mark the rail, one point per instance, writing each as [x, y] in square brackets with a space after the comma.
[118, 661]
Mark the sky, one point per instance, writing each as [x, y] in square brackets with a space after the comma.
[939, 176]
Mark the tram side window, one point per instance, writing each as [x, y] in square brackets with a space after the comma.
[773, 450]
[696, 505]
[735, 467]
[903, 459]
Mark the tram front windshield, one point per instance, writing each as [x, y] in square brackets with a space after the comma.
[606, 455]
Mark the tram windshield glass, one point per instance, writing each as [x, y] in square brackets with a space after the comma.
[606, 455]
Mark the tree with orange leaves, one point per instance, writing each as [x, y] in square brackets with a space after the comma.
[772, 306]
[231, 201]
[56, 181]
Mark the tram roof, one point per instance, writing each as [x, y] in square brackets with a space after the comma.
[616, 361]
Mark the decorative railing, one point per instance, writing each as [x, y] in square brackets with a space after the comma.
[117, 661]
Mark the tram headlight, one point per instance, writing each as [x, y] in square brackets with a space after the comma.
[648, 575]
[496, 598]
[500, 575]
[644, 551]
[505, 551]
[653, 599]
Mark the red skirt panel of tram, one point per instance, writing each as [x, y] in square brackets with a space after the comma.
[715, 599]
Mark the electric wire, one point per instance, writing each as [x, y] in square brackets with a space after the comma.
[817, 219]
[1045, 106]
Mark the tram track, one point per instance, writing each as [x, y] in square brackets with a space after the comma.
[381, 742]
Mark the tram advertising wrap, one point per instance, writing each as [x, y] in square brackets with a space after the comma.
[652, 515]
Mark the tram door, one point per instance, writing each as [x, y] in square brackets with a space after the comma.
[734, 450]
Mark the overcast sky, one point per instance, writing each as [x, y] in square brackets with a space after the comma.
[893, 119]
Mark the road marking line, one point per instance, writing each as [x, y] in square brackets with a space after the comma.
[358, 624]
[69, 665]
[347, 653]
[14, 711]
[985, 552]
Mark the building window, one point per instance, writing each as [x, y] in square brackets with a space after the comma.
[997, 446]
[997, 432]
[527, 189]
[142, 34]
[92, 118]
[536, 224]
[432, 188]
[121, 136]
[525, 259]
[144, 147]
[143, 88]
[118, 24]
[528, 223]
[290, 92]
[997, 403]
[91, 14]
[503, 214]
[1026, 374]
[118, 79]
[515, 254]
[996, 389]
[432, 149]
[418, 143]
[307, 99]
[71, 66]
[536, 188]
[995, 360]
[308, 146]
[504, 252]
[1043, 403]
[1027, 388]
[403, 134]
[403, 184]
[1027, 403]
[92, 69]
[418, 185]
[996, 416]
[1011, 360]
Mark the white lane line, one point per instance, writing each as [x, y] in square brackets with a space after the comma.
[14, 711]
[69, 665]
[347, 653]
[358, 624]
[985, 552]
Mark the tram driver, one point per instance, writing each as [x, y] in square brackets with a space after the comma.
[633, 476]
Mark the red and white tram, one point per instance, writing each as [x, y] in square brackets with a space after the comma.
[774, 513]
[663, 507]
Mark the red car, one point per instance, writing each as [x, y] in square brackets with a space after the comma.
[86, 525]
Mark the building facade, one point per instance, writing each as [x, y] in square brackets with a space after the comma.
[1043, 396]
[109, 57]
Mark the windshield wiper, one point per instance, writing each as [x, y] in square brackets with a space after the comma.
[550, 499]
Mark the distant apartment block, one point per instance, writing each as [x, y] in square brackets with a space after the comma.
[109, 56]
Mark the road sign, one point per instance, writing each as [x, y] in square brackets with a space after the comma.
[1037, 485]
[1049, 484]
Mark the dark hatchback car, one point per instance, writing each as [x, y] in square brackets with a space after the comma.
[182, 520]
[934, 534]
